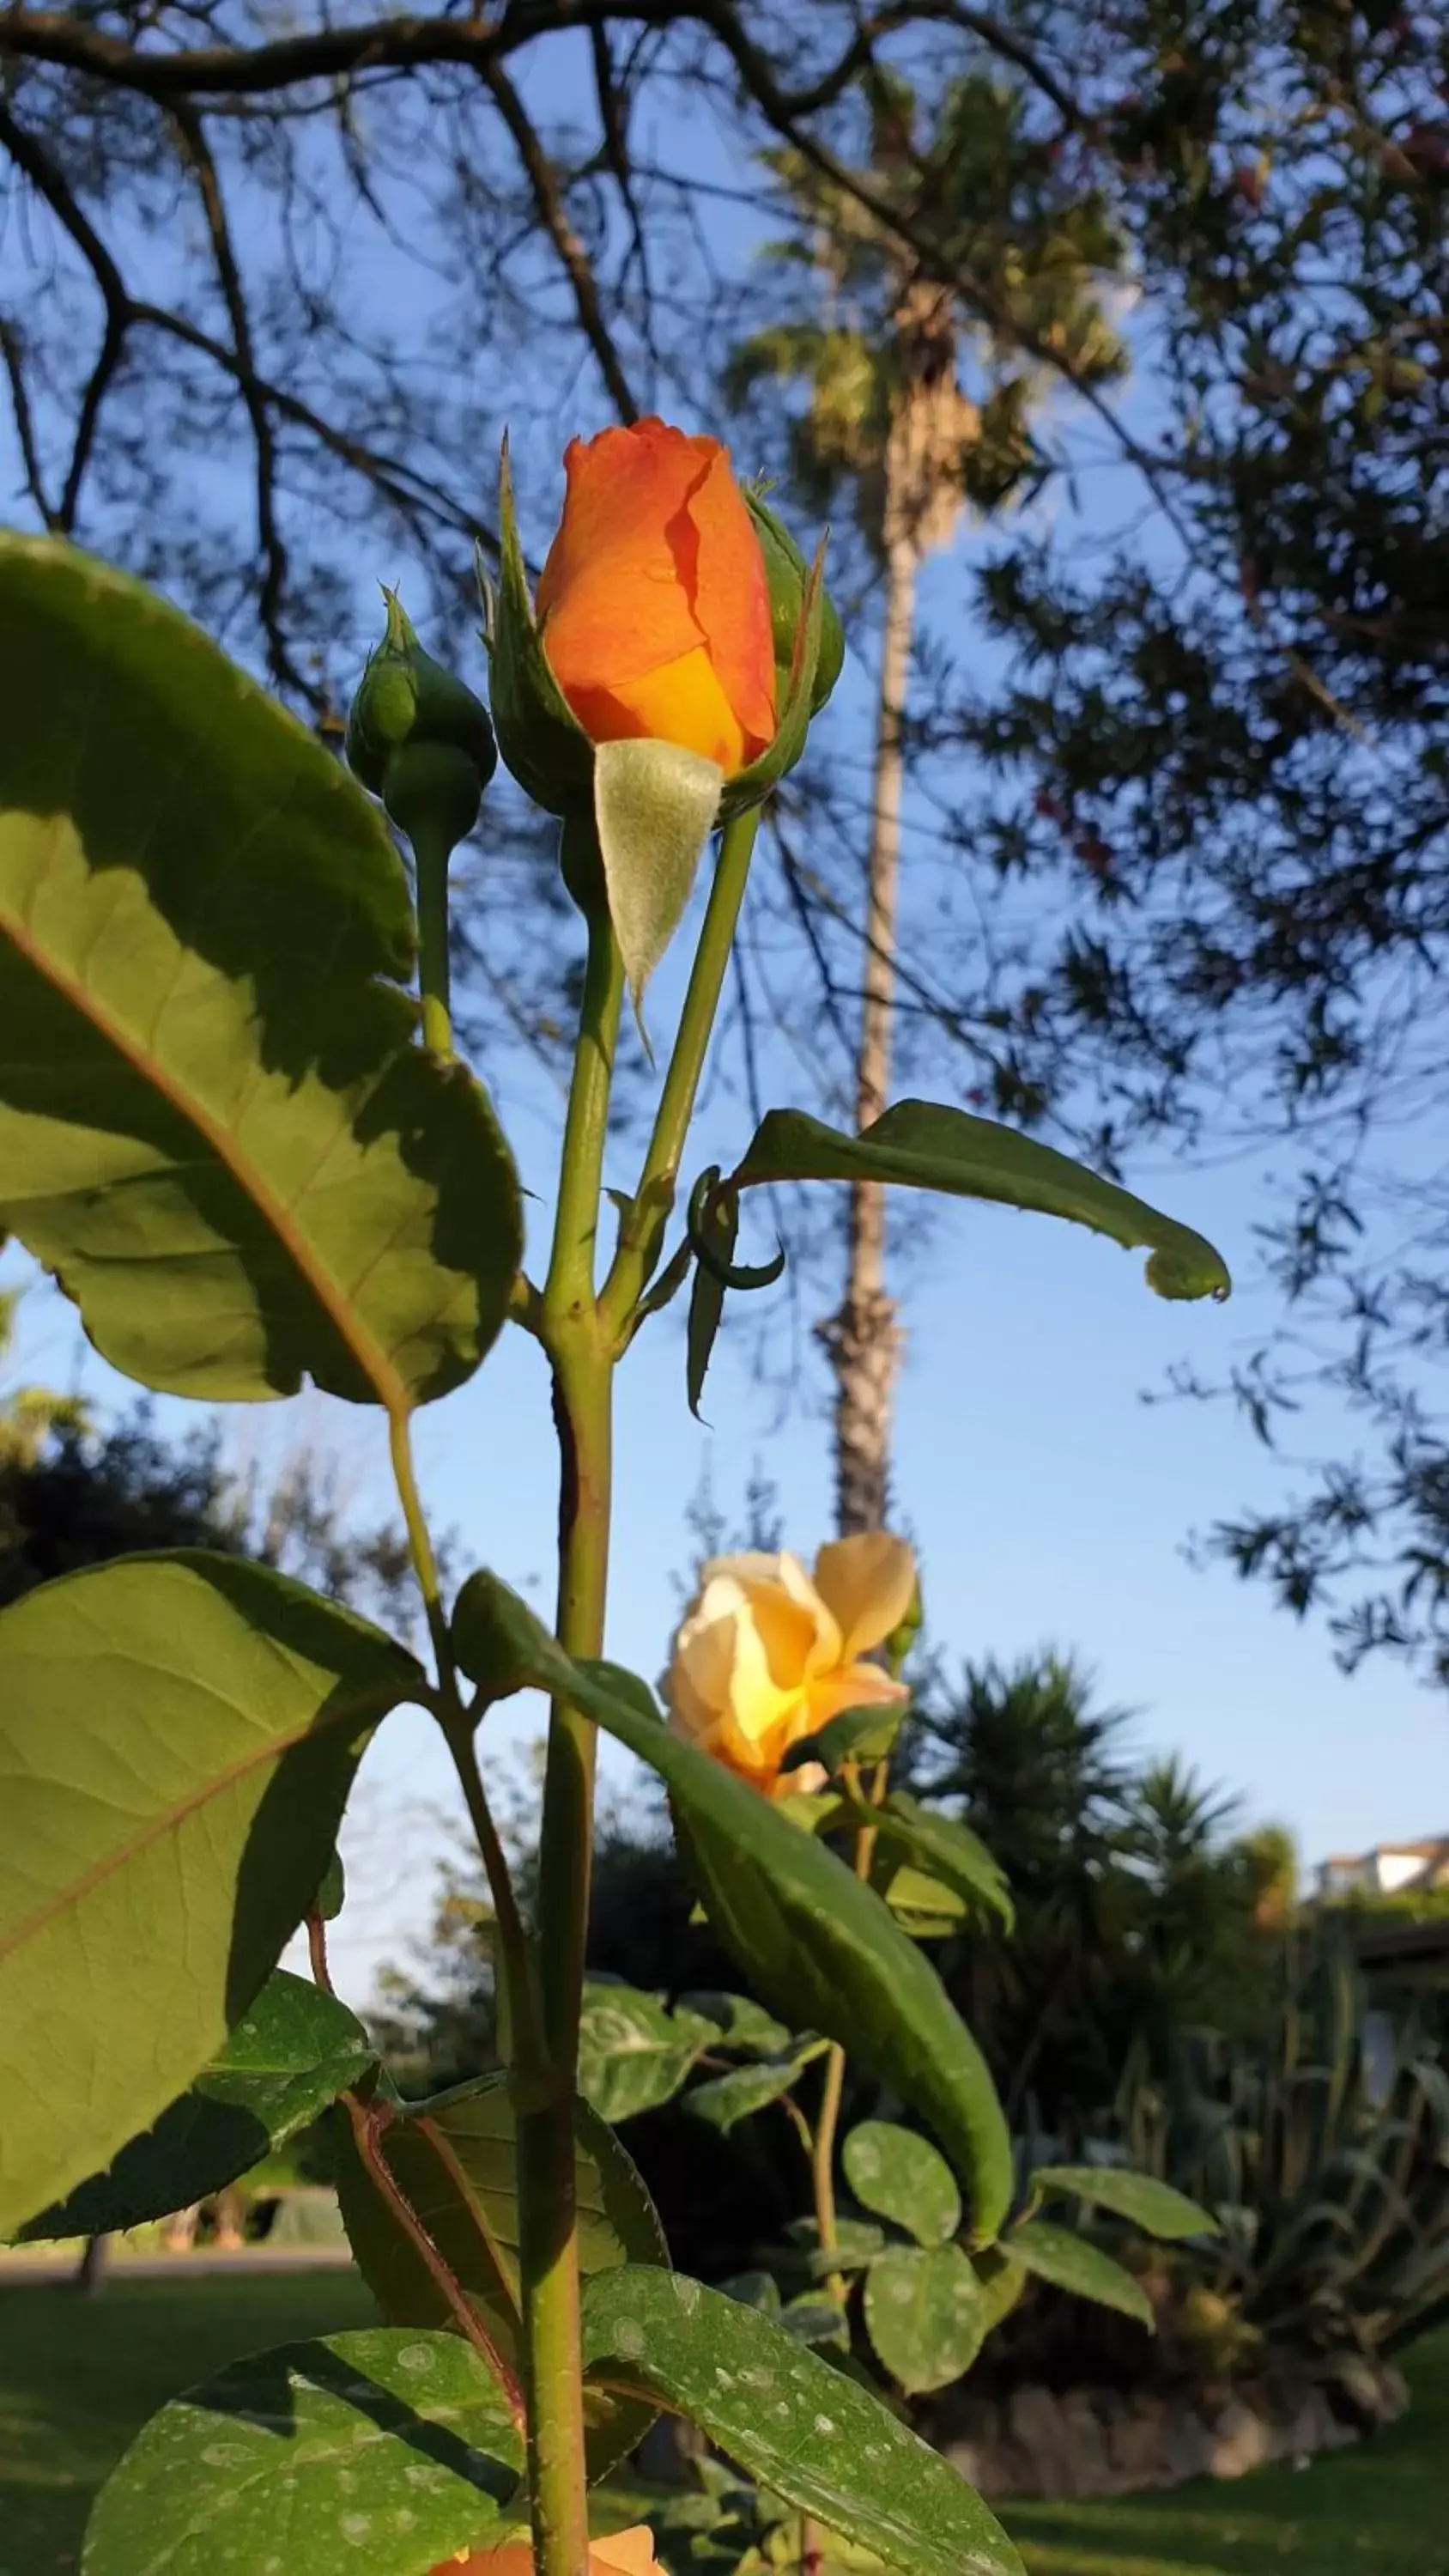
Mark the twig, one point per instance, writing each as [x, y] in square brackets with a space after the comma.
[12, 350]
[554, 216]
[30, 156]
[197, 150]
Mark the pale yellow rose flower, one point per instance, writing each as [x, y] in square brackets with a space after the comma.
[765, 1654]
[628, 2553]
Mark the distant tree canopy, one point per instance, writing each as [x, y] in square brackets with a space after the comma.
[1176, 858]
[74, 1493]
[1142, 1911]
[1221, 763]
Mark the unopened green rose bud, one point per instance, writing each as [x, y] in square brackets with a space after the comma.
[787, 573]
[419, 739]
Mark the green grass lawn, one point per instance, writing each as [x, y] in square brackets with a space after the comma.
[76, 2379]
[1379, 2510]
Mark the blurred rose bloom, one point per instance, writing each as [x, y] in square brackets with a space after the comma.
[765, 1655]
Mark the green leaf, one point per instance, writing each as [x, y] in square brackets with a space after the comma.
[818, 2322]
[456, 2159]
[178, 1736]
[728, 2099]
[793, 2422]
[633, 2055]
[924, 1907]
[1151, 2205]
[901, 2177]
[331, 1896]
[925, 2315]
[740, 2022]
[754, 2290]
[290, 2055]
[857, 2242]
[1002, 2283]
[814, 1811]
[377, 2450]
[1070, 2263]
[947, 1851]
[818, 1944]
[923, 1145]
[216, 1127]
[856, 1735]
[654, 809]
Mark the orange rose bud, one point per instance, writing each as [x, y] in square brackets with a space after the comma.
[654, 608]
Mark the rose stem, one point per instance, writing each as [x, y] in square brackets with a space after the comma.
[823, 2160]
[643, 1227]
[583, 1381]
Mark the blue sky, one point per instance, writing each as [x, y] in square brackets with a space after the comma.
[1048, 1502]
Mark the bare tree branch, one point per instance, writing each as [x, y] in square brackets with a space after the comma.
[12, 350]
[393, 43]
[30, 156]
[197, 151]
[554, 216]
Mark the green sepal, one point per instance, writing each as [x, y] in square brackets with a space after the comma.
[753, 785]
[717, 1223]
[654, 809]
[712, 1226]
[544, 745]
[787, 574]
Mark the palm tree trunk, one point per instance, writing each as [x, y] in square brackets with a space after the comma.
[864, 1339]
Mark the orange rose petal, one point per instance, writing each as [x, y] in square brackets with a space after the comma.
[623, 487]
[869, 1581]
[611, 602]
[787, 1633]
[732, 602]
[630, 2553]
[679, 701]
